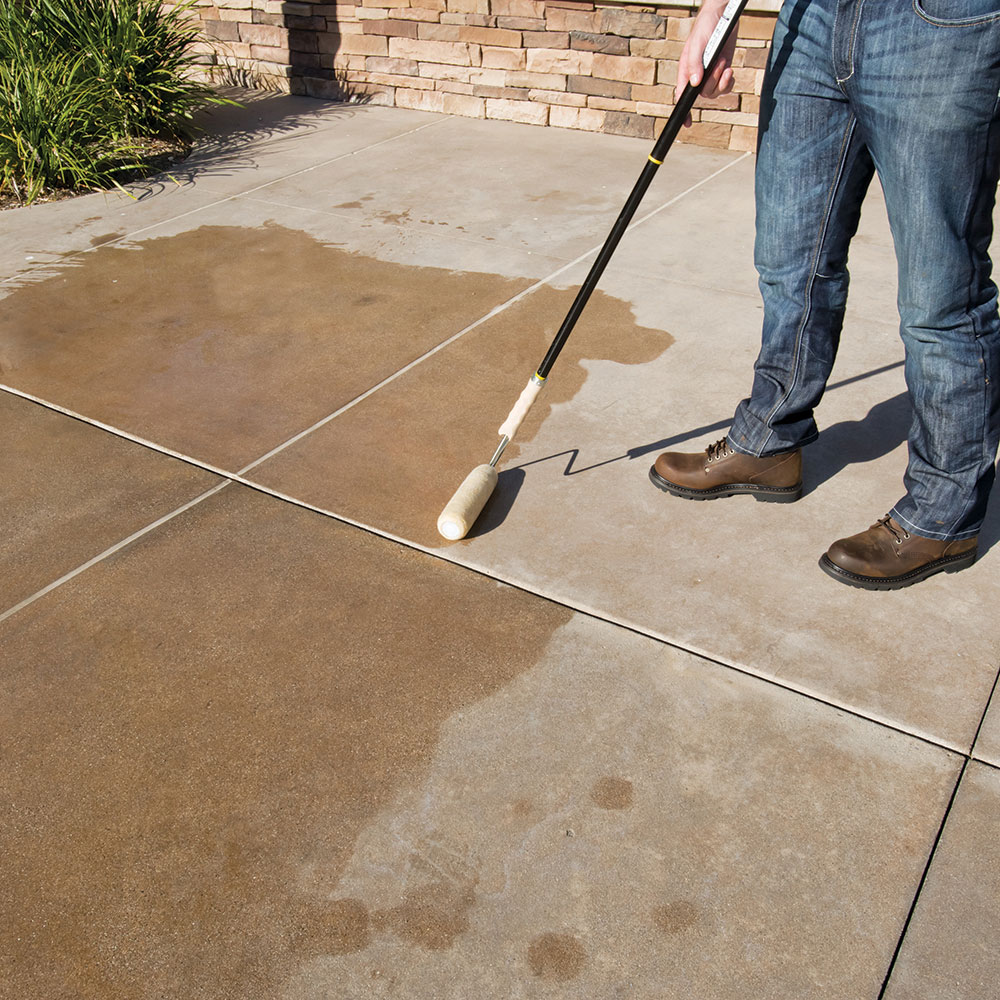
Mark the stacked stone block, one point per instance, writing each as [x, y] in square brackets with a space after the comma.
[570, 64]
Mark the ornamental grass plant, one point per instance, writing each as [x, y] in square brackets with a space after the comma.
[87, 87]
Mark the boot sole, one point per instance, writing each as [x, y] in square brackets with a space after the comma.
[949, 564]
[764, 494]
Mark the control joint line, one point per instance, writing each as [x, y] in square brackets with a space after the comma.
[498, 576]
[117, 547]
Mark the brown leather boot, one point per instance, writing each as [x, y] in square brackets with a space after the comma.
[720, 472]
[888, 557]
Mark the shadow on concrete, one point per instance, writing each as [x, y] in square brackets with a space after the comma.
[880, 427]
[989, 534]
[228, 136]
[852, 441]
[499, 505]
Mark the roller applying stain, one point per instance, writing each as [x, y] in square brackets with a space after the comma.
[469, 499]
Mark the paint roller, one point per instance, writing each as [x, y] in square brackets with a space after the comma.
[467, 502]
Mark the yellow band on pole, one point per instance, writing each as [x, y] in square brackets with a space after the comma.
[652, 159]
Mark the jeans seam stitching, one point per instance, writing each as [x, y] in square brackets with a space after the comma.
[964, 22]
[853, 40]
[939, 536]
[821, 240]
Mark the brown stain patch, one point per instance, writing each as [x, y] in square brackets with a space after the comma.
[672, 918]
[222, 342]
[612, 793]
[394, 460]
[556, 957]
[431, 916]
[198, 730]
[96, 241]
[522, 808]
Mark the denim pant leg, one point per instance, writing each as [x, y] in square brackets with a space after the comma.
[925, 93]
[812, 173]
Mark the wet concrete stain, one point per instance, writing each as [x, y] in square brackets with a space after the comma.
[612, 793]
[358, 203]
[556, 957]
[68, 490]
[395, 460]
[222, 342]
[672, 918]
[432, 916]
[393, 218]
[523, 808]
[96, 241]
[197, 732]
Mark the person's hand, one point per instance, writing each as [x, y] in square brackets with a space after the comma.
[690, 69]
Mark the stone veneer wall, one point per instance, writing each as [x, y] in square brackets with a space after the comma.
[599, 67]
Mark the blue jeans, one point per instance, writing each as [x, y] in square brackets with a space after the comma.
[907, 88]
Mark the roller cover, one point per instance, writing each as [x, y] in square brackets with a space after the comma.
[509, 427]
[469, 499]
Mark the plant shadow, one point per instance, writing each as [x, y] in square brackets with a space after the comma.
[228, 137]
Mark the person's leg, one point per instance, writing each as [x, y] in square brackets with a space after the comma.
[925, 92]
[812, 174]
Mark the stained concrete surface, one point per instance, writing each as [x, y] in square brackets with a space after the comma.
[222, 342]
[68, 491]
[575, 516]
[259, 753]
[262, 753]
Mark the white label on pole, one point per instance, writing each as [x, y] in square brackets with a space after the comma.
[720, 29]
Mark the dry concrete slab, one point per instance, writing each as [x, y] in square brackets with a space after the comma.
[706, 240]
[258, 158]
[529, 189]
[69, 491]
[950, 948]
[258, 753]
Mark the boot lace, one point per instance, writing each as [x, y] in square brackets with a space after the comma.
[718, 450]
[886, 523]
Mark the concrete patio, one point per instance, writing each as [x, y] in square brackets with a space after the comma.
[266, 734]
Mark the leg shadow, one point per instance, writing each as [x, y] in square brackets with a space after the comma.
[989, 533]
[884, 428]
